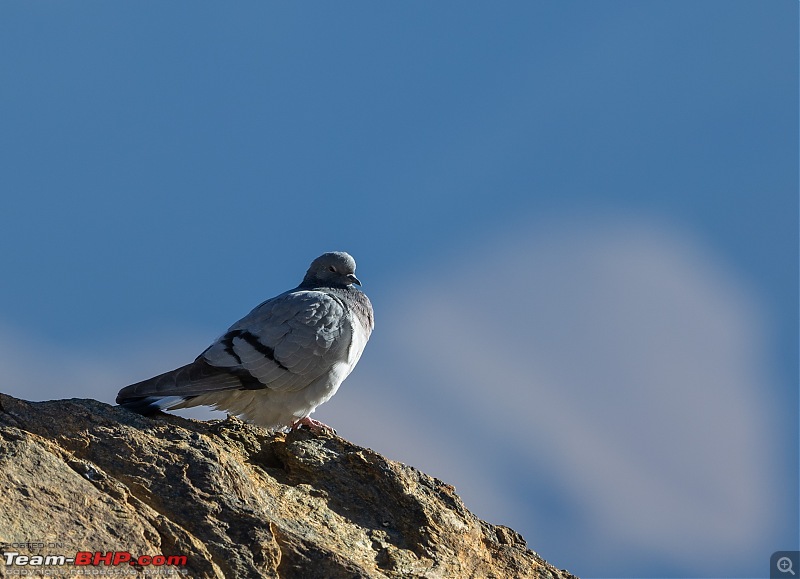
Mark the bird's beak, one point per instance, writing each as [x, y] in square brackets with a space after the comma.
[353, 279]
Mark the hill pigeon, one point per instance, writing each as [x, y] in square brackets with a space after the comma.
[279, 362]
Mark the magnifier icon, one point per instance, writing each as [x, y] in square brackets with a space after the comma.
[784, 565]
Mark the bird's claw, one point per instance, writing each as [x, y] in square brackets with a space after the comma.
[314, 426]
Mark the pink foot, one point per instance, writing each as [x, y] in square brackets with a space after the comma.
[314, 426]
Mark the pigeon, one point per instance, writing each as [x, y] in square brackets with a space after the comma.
[279, 362]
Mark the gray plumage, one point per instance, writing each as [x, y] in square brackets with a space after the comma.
[282, 360]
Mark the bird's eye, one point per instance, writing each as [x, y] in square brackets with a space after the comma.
[333, 269]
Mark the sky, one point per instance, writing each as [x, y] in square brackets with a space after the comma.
[577, 223]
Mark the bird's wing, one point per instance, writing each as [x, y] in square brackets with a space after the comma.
[284, 344]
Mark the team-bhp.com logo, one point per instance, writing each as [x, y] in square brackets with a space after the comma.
[14, 559]
[97, 558]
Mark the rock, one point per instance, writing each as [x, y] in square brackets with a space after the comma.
[234, 499]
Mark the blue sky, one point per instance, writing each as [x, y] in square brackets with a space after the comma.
[577, 221]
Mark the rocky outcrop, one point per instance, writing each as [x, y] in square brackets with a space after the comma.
[80, 476]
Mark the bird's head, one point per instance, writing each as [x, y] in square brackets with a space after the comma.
[334, 269]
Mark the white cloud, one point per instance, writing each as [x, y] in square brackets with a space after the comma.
[615, 363]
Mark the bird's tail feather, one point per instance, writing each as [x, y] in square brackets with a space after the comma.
[148, 405]
[172, 388]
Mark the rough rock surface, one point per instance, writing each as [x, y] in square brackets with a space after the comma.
[235, 499]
